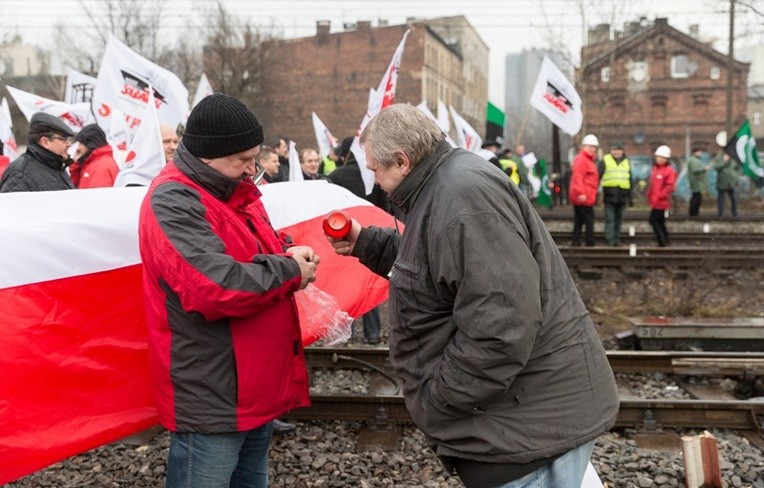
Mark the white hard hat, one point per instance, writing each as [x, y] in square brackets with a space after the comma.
[663, 151]
[590, 140]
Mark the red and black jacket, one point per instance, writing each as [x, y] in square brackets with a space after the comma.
[224, 334]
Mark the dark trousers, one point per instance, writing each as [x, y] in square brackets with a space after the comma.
[613, 221]
[658, 221]
[695, 200]
[720, 202]
[583, 216]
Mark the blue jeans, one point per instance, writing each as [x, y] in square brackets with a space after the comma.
[371, 324]
[235, 460]
[567, 471]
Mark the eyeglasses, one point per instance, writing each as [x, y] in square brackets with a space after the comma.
[68, 140]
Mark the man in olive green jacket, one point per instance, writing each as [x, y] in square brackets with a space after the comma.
[726, 183]
[697, 171]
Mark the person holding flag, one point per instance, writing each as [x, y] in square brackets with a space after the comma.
[500, 362]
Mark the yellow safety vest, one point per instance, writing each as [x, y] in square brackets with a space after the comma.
[616, 175]
[508, 163]
[329, 165]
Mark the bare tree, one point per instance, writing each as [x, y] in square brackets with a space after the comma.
[137, 23]
[235, 54]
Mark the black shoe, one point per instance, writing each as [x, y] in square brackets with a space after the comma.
[281, 427]
[372, 341]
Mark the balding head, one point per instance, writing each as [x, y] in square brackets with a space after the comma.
[169, 141]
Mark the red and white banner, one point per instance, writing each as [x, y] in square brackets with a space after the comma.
[75, 115]
[203, 90]
[325, 140]
[79, 87]
[466, 136]
[123, 84]
[73, 352]
[145, 158]
[383, 97]
[10, 149]
[556, 97]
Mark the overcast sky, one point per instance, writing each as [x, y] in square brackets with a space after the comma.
[505, 25]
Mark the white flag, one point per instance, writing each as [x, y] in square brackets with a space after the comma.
[6, 132]
[123, 84]
[75, 115]
[145, 159]
[295, 170]
[203, 90]
[442, 119]
[557, 98]
[384, 96]
[466, 136]
[117, 133]
[79, 87]
[425, 110]
[326, 141]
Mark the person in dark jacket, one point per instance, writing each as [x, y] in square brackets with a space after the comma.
[309, 164]
[697, 172]
[224, 337]
[500, 362]
[43, 166]
[726, 183]
[95, 166]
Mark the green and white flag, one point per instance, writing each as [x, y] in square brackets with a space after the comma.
[742, 147]
[544, 197]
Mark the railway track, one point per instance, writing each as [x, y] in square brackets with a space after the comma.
[636, 413]
[566, 213]
[704, 239]
[699, 363]
[664, 257]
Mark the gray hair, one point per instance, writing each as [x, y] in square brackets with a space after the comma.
[401, 127]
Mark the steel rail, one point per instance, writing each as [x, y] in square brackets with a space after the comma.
[700, 363]
[637, 413]
[644, 215]
[715, 239]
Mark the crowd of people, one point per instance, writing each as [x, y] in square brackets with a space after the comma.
[500, 362]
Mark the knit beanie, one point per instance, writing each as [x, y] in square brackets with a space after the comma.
[221, 125]
[91, 136]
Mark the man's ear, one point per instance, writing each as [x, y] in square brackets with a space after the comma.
[402, 161]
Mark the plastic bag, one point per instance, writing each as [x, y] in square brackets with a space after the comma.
[322, 318]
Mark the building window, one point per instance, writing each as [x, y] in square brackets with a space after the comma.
[716, 72]
[680, 66]
[605, 74]
[757, 118]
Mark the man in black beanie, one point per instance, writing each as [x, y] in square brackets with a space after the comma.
[224, 337]
[43, 166]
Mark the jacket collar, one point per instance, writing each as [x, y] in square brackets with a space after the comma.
[218, 184]
[407, 192]
[47, 158]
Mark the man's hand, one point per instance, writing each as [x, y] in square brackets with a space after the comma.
[308, 260]
[345, 246]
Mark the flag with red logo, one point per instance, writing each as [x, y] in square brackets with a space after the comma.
[123, 84]
[75, 115]
[6, 132]
[145, 158]
[556, 97]
[73, 352]
[324, 138]
[383, 97]
[466, 136]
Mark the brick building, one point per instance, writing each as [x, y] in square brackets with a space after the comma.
[331, 74]
[653, 84]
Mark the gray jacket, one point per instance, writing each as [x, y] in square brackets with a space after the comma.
[499, 358]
